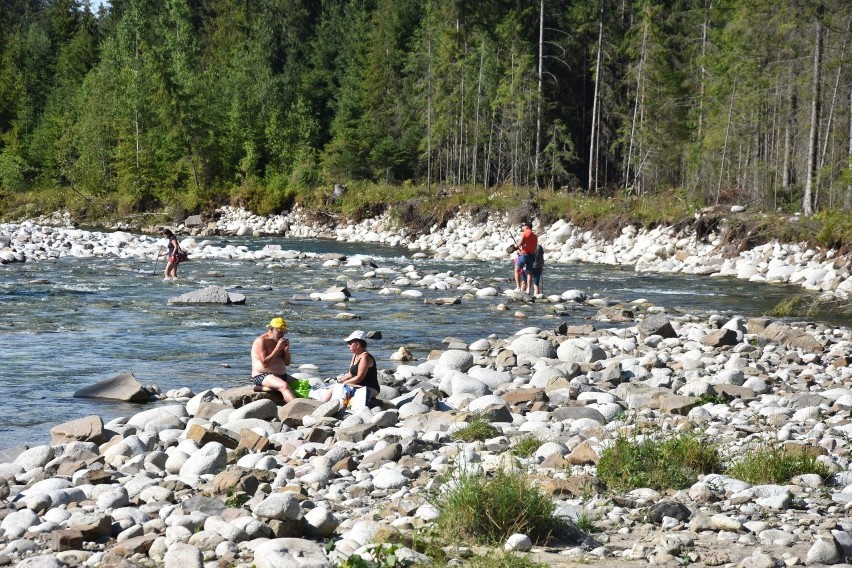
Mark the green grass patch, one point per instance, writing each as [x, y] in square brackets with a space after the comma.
[502, 559]
[774, 464]
[479, 428]
[527, 446]
[709, 397]
[487, 510]
[657, 461]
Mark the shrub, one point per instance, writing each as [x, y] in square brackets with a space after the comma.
[672, 463]
[489, 510]
[479, 428]
[774, 464]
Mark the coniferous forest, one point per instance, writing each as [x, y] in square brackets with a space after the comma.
[148, 101]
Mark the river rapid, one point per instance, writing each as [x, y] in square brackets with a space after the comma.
[71, 322]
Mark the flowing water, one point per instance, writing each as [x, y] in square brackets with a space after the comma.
[70, 323]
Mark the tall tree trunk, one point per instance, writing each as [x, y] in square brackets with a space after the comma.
[789, 123]
[538, 98]
[725, 145]
[593, 145]
[831, 112]
[429, 117]
[478, 100]
[703, 68]
[807, 199]
[847, 199]
[637, 103]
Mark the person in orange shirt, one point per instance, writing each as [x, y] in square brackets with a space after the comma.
[527, 247]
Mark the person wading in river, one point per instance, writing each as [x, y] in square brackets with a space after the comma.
[270, 355]
[527, 248]
[174, 255]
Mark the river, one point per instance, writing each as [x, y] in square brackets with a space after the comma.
[73, 322]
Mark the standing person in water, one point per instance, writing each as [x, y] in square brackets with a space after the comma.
[527, 248]
[270, 355]
[172, 264]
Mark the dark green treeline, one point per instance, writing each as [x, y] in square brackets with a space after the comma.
[723, 100]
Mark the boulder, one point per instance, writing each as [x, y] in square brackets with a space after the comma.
[209, 295]
[123, 387]
[656, 324]
[533, 346]
[86, 429]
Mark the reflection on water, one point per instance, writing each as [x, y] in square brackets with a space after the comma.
[70, 323]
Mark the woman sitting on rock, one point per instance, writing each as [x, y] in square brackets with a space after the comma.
[362, 371]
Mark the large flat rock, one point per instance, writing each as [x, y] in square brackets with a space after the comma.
[122, 387]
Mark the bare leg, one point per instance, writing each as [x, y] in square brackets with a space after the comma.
[517, 277]
[279, 384]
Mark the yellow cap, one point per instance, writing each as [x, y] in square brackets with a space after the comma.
[278, 323]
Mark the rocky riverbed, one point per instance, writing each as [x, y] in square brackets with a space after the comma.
[166, 485]
[663, 249]
[160, 486]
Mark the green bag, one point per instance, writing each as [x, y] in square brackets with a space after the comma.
[301, 387]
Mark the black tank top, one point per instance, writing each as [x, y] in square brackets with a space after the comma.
[371, 379]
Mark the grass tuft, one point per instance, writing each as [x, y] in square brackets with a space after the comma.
[795, 306]
[479, 428]
[774, 464]
[488, 510]
[657, 462]
[527, 446]
[502, 560]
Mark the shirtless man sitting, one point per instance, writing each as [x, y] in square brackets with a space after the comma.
[270, 355]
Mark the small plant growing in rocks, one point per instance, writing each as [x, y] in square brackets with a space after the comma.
[479, 428]
[527, 446]
[586, 524]
[488, 510]
[774, 464]
[657, 462]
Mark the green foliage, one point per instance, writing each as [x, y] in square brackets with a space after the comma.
[490, 509]
[774, 464]
[711, 398]
[657, 461]
[236, 500]
[836, 229]
[151, 103]
[527, 446]
[479, 428]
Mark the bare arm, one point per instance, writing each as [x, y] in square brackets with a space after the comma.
[363, 365]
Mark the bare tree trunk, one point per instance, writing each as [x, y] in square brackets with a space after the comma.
[807, 199]
[786, 169]
[708, 7]
[429, 118]
[725, 145]
[538, 99]
[831, 113]
[636, 105]
[847, 199]
[593, 145]
[476, 123]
